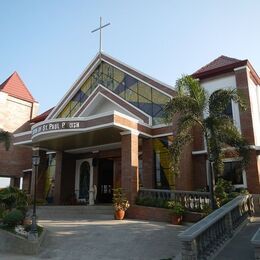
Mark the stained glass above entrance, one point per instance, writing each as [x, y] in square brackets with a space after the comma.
[134, 91]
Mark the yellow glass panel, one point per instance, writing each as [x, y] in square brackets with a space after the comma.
[144, 90]
[159, 98]
[118, 75]
[87, 84]
[65, 111]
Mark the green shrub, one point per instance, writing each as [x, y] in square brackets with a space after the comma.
[13, 217]
[176, 207]
[12, 197]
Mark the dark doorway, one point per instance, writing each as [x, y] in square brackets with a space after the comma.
[105, 181]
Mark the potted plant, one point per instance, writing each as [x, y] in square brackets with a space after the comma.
[177, 211]
[120, 203]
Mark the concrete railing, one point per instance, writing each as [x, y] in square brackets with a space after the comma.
[191, 200]
[203, 239]
[256, 244]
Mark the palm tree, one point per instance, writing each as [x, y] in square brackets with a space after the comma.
[5, 138]
[195, 108]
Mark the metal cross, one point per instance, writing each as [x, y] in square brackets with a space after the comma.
[100, 33]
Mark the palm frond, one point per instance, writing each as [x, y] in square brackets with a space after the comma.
[220, 99]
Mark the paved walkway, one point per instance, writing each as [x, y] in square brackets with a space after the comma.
[240, 246]
[101, 237]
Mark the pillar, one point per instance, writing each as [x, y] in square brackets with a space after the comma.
[57, 183]
[148, 164]
[129, 164]
[252, 171]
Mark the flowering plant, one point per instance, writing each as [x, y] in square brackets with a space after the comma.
[120, 201]
[21, 231]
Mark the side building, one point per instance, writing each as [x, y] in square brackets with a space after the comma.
[225, 72]
[17, 106]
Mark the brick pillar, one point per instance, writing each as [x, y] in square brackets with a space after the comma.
[57, 184]
[148, 164]
[129, 164]
[252, 171]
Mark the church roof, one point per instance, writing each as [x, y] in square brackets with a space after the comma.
[15, 87]
[224, 64]
[217, 63]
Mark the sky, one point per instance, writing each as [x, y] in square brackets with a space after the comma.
[49, 43]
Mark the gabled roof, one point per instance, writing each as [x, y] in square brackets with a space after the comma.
[224, 64]
[217, 63]
[164, 88]
[15, 87]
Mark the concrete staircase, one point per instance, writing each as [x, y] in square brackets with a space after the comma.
[75, 212]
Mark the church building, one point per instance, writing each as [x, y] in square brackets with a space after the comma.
[108, 131]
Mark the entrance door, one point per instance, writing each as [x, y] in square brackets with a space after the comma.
[84, 180]
[105, 181]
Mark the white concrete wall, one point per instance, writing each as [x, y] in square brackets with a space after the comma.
[254, 95]
[224, 82]
[14, 112]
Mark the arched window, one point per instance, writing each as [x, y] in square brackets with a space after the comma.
[84, 181]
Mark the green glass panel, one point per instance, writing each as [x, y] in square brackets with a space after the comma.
[131, 96]
[159, 98]
[144, 90]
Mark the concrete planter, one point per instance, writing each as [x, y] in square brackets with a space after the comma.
[16, 244]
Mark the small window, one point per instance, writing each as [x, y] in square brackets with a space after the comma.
[228, 111]
[233, 172]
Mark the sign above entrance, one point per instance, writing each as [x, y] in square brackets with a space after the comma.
[49, 127]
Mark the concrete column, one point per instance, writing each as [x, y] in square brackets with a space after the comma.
[148, 164]
[57, 183]
[129, 164]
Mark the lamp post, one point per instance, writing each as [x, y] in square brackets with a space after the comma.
[33, 232]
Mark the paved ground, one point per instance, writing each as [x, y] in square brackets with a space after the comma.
[240, 246]
[101, 237]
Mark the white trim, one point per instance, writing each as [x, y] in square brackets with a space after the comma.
[51, 152]
[117, 96]
[23, 142]
[77, 179]
[199, 152]
[161, 135]
[241, 68]
[75, 85]
[22, 133]
[160, 126]
[27, 170]
[95, 149]
[133, 132]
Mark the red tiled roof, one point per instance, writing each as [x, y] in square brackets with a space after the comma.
[221, 61]
[224, 64]
[15, 87]
[41, 117]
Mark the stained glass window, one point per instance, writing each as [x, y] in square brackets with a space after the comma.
[139, 94]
